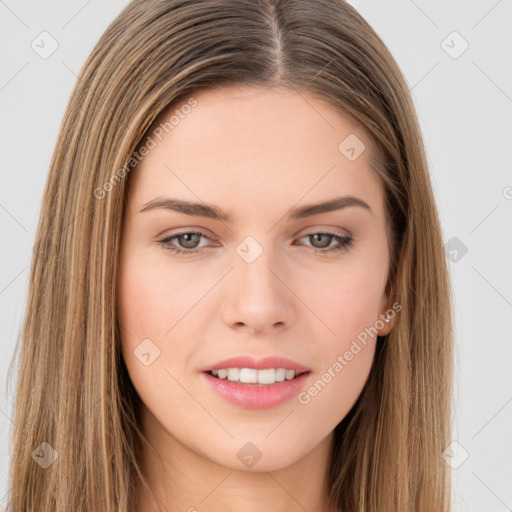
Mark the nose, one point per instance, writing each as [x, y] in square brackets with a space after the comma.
[259, 299]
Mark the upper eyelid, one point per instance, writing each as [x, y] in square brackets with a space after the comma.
[327, 231]
[309, 230]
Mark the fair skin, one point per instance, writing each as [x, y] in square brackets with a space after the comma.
[255, 154]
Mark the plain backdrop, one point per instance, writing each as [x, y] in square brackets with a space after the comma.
[456, 57]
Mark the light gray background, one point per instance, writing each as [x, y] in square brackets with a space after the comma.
[465, 108]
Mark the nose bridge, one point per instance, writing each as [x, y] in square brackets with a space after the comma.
[256, 268]
[258, 297]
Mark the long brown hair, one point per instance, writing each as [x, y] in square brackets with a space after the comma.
[73, 390]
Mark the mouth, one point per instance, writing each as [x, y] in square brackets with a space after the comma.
[256, 377]
[252, 388]
[254, 382]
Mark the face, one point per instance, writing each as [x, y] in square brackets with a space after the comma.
[252, 272]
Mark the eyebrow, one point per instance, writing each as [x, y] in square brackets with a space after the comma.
[214, 212]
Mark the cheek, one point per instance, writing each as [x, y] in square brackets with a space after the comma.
[155, 309]
[149, 305]
[347, 304]
[151, 299]
[345, 350]
[345, 300]
[334, 390]
[145, 315]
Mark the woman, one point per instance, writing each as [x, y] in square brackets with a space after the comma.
[239, 296]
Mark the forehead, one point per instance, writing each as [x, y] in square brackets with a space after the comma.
[245, 146]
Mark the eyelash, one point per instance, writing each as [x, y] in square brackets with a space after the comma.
[344, 242]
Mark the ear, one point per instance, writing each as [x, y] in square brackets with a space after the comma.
[388, 308]
[388, 314]
[388, 325]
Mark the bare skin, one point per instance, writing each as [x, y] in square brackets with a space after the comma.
[256, 154]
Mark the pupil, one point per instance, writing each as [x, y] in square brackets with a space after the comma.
[320, 235]
[189, 244]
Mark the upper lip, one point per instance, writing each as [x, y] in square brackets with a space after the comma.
[258, 364]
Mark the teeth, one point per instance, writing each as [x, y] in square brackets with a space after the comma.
[233, 374]
[266, 376]
[253, 376]
[247, 375]
[280, 374]
[290, 374]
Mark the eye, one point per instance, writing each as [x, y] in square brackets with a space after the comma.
[322, 241]
[188, 242]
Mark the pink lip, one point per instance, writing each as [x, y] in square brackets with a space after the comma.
[258, 364]
[256, 396]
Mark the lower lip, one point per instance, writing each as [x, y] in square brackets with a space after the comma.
[254, 396]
